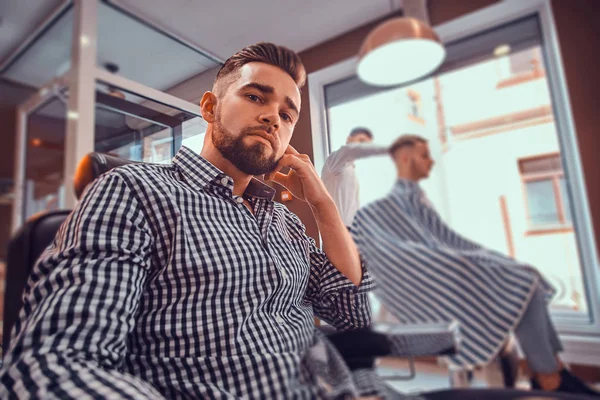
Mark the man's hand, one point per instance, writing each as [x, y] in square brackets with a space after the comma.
[305, 184]
[302, 181]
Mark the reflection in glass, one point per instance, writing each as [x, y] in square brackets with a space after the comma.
[140, 52]
[144, 54]
[44, 158]
[139, 129]
[47, 57]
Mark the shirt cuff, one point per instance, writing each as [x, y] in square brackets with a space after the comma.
[334, 281]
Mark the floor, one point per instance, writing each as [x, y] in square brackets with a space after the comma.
[429, 376]
[432, 376]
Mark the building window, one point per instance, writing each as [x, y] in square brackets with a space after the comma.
[523, 66]
[524, 61]
[546, 193]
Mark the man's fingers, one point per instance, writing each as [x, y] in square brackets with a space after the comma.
[291, 150]
[290, 160]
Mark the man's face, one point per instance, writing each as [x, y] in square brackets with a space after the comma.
[255, 117]
[359, 138]
[421, 161]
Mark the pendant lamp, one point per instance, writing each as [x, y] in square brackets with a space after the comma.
[399, 50]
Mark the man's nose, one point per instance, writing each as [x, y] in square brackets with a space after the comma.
[271, 119]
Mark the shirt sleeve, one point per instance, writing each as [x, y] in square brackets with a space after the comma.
[353, 151]
[335, 299]
[80, 304]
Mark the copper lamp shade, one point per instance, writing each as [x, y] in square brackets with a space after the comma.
[399, 50]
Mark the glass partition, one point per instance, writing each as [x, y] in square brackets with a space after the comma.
[144, 54]
[140, 129]
[125, 44]
[43, 188]
[47, 56]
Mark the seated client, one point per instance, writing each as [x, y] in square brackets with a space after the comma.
[426, 272]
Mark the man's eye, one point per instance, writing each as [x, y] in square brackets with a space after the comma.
[253, 97]
[286, 117]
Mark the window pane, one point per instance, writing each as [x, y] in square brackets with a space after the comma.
[136, 128]
[144, 54]
[541, 203]
[48, 56]
[44, 158]
[486, 132]
[519, 35]
[139, 51]
[566, 200]
[193, 134]
[523, 61]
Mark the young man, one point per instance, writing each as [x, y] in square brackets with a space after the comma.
[427, 272]
[187, 280]
[339, 175]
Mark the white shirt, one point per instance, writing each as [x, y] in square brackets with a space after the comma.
[340, 178]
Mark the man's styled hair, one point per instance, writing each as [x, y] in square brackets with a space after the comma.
[267, 53]
[408, 140]
[359, 130]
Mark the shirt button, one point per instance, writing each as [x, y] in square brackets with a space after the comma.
[240, 200]
[224, 181]
[279, 319]
[284, 275]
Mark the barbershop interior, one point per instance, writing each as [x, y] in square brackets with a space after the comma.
[339, 199]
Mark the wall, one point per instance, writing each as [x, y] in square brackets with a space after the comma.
[341, 48]
[578, 33]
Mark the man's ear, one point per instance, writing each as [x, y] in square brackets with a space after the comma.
[208, 104]
[404, 155]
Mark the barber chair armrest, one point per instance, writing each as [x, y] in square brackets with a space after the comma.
[395, 340]
[414, 340]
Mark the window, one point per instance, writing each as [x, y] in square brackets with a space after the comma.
[475, 169]
[546, 193]
[524, 61]
[520, 67]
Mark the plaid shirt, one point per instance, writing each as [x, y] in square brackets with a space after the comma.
[161, 283]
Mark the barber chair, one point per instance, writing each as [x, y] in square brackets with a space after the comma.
[37, 233]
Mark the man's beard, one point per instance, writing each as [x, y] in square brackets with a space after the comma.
[248, 159]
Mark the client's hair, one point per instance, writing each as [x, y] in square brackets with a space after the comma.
[408, 140]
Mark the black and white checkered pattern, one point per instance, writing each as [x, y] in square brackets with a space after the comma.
[161, 283]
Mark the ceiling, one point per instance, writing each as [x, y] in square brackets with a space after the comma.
[226, 26]
[156, 60]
